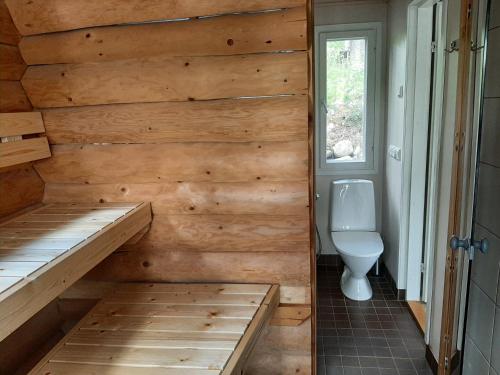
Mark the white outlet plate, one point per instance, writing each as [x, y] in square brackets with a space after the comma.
[395, 152]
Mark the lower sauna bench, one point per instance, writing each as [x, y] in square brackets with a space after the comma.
[44, 251]
[168, 329]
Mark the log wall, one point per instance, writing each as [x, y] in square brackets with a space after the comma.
[20, 186]
[206, 117]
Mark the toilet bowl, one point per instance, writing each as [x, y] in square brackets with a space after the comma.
[353, 234]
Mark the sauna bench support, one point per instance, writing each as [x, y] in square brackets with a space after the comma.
[44, 251]
[167, 329]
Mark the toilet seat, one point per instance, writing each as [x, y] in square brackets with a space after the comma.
[358, 244]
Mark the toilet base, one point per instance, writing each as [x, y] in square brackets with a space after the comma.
[355, 288]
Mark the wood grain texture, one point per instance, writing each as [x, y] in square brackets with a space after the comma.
[166, 79]
[269, 361]
[26, 150]
[193, 198]
[8, 32]
[13, 98]
[201, 336]
[283, 268]
[20, 346]
[225, 162]
[12, 65]
[20, 123]
[285, 338]
[61, 368]
[229, 35]
[87, 289]
[232, 120]
[19, 188]
[231, 233]
[42, 16]
[291, 315]
[21, 301]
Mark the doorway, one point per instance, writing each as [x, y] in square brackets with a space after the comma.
[423, 128]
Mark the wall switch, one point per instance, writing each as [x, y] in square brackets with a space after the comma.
[395, 152]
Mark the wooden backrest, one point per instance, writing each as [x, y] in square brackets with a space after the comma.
[18, 141]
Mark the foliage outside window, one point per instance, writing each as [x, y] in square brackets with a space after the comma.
[348, 104]
[345, 100]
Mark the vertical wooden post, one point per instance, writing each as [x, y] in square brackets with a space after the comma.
[312, 193]
[454, 219]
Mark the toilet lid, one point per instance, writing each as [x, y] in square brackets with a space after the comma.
[360, 244]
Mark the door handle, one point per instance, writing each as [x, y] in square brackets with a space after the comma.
[481, 245]
[324, 106]
[456, 243]
[470, 245]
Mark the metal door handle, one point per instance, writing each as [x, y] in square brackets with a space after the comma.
[456, 243]
[470, 245]
[481, 245]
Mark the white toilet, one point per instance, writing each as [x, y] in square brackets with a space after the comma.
[353, 233]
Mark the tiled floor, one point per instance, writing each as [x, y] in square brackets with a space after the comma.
[376, 337]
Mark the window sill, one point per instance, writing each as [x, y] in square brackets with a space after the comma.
[344, 172]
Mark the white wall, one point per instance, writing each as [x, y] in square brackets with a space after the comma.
[342, 12]
[392, 179]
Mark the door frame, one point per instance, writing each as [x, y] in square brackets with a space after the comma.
[455, 215]
[411, 132]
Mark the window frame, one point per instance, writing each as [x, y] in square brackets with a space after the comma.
[372, 33]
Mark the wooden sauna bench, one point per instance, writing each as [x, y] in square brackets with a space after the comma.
[44, 251]
[153, 329]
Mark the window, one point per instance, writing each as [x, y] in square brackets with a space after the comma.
[347, 96]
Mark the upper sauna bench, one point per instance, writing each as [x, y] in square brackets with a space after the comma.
[44, 251]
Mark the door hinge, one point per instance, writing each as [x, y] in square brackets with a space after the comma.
[422, 267]
[446, 362]
[433, 47]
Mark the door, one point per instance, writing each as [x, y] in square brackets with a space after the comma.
[481, 354]
[422, 115]
[470, 326]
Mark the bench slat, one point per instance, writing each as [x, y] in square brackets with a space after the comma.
[117, 337]
[23, 151]
[21, 123]
[47, 266]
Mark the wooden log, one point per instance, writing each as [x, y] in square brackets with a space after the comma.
[12, 65]
[13, 98]
[166, 79]
[232, 120]
[19, 189]
[194, 198]
[20, 123]
[283, 268]
[216, 162]
[231, 233]
[18, 152]
[43, 16]
[229, 35]
[8, 32]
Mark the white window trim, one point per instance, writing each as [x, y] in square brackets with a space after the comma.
[372, 30]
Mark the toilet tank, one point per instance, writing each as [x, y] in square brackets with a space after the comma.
[352, 206]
